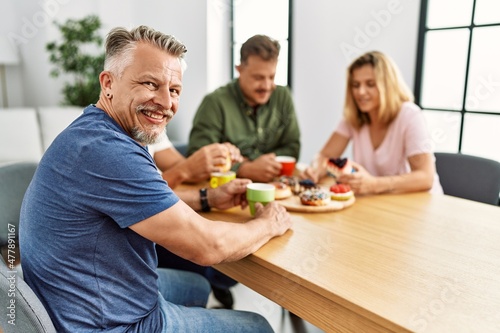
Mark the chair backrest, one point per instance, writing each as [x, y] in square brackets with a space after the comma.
[21, 310]
[54, 119]
[14, 180]
[20, 135]
[469, 177]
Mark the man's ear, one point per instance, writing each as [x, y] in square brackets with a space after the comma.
[238, 68]
[106, 80]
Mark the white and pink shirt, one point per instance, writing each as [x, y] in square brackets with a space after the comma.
[406, 136]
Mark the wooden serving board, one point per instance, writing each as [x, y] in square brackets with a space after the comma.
[293, 204]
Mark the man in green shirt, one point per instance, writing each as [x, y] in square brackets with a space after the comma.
[252, 113]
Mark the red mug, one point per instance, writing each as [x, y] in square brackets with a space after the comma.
[287, 165]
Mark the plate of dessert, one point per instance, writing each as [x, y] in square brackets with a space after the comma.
[306, 196]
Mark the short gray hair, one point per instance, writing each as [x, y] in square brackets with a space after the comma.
[120, 43]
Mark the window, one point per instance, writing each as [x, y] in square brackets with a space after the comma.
[458, 75]
[271, 18]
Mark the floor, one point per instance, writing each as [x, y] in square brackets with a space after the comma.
[281, 321]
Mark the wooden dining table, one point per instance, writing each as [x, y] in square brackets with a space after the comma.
[388, 263]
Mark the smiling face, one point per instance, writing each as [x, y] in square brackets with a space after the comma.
[257, 79]
[146, 96]
[364, 89]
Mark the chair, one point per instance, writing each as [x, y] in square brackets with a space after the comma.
[469, 177]
[20, 305]
[30, 315]
[53, 120]
[20, 135]
[14, 180]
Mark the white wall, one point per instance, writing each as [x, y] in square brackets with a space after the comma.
[29, 24]
[321, 27]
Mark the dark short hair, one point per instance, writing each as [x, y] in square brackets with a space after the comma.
[262, 46]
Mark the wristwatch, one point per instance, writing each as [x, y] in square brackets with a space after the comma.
[205, 207]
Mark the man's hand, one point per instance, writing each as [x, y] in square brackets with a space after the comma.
[234, 153]
[275, 213]
[208, 159]
[229, 195]
[262, 169]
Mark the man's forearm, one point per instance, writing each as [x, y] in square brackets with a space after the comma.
[191, 198]
[174, 177]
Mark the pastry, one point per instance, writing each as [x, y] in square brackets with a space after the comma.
[226, 166]
[298, 186]
[282, 191]
[341, 192]
[315, 197]
[307, 184]
[292, 182]
[339, 166]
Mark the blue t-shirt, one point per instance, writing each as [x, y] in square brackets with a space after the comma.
[89, 269]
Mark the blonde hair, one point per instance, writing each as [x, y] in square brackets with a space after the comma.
[392, 89]
[120, 44]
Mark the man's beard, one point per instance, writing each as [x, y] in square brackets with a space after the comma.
[145, 138]
[149, 136]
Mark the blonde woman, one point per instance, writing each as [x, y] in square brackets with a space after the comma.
[392, 150]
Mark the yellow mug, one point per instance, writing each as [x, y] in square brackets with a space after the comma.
[220, 178]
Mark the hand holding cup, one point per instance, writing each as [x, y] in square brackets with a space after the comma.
[259, 192]
[287, 165]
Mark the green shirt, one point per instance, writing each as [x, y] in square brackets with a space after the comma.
[224, 116]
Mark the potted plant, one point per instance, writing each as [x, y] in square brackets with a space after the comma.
[73, 56]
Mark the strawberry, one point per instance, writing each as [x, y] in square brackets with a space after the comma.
[340, 188]
[335, 189]
[344, 188]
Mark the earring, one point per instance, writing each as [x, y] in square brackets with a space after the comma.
[108, 95]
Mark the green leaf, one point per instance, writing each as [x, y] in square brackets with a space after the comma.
[72, 56]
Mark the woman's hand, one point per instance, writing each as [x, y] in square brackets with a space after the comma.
[360, 181]
[310, 173]
[317, 170]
